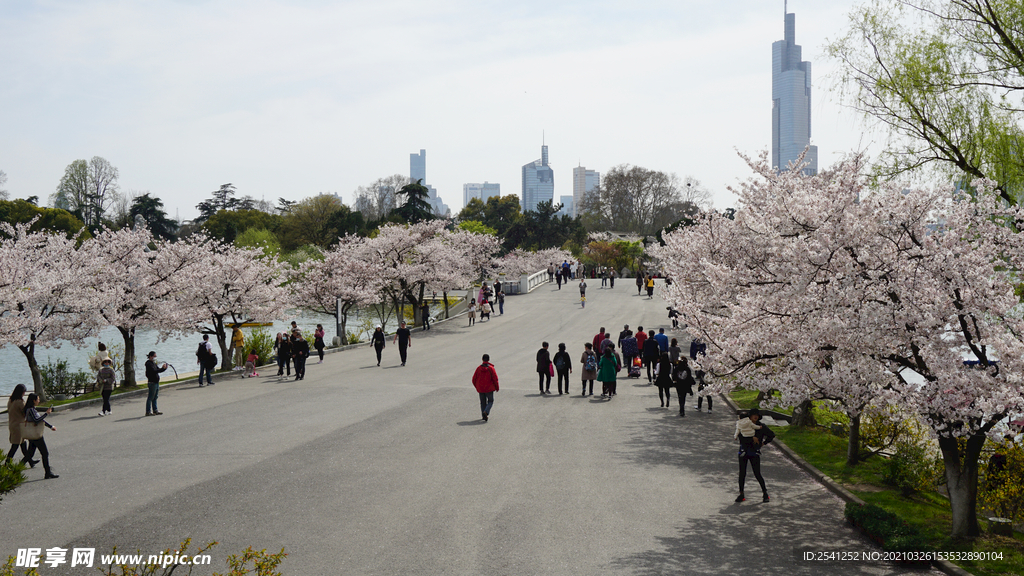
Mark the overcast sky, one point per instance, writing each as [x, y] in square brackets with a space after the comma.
[292, 98]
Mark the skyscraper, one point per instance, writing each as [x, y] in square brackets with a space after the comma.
[418, 171]
[791, 102]
[538, 182]
[481, 191]
[583, 181]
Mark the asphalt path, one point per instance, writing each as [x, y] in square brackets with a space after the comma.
[389, 470]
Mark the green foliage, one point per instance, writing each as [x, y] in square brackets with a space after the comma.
[261, 342]
[152, 211]
[259, 238]
[477, 226]
[58, 379]
[911, 468]
[52, 219]
[499, 212]
[226, 225]
[544, 228]
[301, 254]
[318, 221]
[893, 533]
[416, 208]
[1002, 492]
[12, 474]
[262, 563]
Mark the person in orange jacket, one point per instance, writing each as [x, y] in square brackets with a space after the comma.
[485, 379]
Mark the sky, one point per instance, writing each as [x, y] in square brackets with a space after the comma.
[294, 98]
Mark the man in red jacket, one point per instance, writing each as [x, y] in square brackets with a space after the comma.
[598, 339]
[486, 381]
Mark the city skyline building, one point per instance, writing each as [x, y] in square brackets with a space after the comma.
[791, 102]
[418, 172]
[481, 191]
[583, 181]
[568, 206]
[538, 181]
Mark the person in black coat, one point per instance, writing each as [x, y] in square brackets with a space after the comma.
[300, 351]
[650, 354]
[682, 379]
[750, 452]
[283, 347]
[544, 368]
[563, 367]
[378, 342]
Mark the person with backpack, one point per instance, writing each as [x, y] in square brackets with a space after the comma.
[563, 367]
[485, 380]
[589, 363]
[206, 359]
[105, 381]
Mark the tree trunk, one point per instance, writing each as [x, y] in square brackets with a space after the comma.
[444, 294]
[129, 356]
[37, 378]
[802, 415]
[222, 341]
[853, 444]
[417, 317]
[962, 482]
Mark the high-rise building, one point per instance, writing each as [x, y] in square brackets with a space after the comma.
[418, 171]
[567, 206]
[481, 191]
[583, 181]
[538, 182]
[791, 103]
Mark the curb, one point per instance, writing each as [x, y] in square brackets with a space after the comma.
[838, 490]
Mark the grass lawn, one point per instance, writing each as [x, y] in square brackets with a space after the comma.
[929, 512]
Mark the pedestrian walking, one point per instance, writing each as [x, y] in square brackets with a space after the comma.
[650, 287]
[485, 310]
[318, 342]
[674, 351]
[563, 367]
[283, 348]
[583, 292]
[558, 278]
[404, 338]
[500, 296]
[639, 283]
[589, 362]
[485, 380]
[378, 342]
[649, 354]
[663, 380]
[674, 315]
[153, 383]
[630, 350]
[300, 352]
[640, 337]
[34, 423]
[598, 338]
[472, 311]
[15, 425]
[425, 315]
[698, 377]
[237, 347]
[206, 359]
[626, 333]
[606, 374]
[551, 272]
[604, 278]
[544, 368]
[105, 382]
[662, 339]
[611, 279]
[752, 437]
[683, 380]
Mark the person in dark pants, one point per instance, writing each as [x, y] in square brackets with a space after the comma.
[15, 421]
[300, 351]
[378, 342]
[500, 298]
[153, 380]
[544, 368]
[563, 367]
[698, 377]
[318, 342]
[106, 379]
[485, 379]
[752, 437]
[283, 347]
[425, 315]
[32, 415]
[682, 379]
[639, 283]
[650, 354]
[611, 279]
[404, 338]
[204, 357]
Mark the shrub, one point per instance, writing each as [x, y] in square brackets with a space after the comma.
[57, 379]
[886, 528]
[1002, 491]
[261, 343]
[911, 468]
[12, 474]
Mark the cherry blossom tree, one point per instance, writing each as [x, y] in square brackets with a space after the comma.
[43, 298]
[233, 285]
[823, 287]
[346, 278]
[139, 287]
[460, 257]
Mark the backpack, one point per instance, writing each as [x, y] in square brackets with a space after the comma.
[201, 352]
[560, 363]
[590, 364]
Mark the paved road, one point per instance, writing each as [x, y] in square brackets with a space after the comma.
[388, 471]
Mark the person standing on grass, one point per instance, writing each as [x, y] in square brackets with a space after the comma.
[378, 342]
[752, 437]
[318, 342]
[544, 368]
[404, 338]
[485, 380]
[105, 380]
[563, 367]
[153, 381]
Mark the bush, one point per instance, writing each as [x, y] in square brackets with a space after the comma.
[261, 343]
[57, 379]
[1002, 491]
[911, 468]
[886, 528]
[12, 474]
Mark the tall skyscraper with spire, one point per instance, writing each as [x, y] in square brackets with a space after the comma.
[538, 181]
[791, 98]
